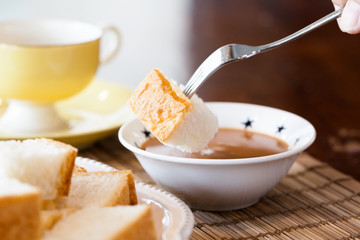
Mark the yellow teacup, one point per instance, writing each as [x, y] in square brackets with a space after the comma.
[47, 60]
[43, 61]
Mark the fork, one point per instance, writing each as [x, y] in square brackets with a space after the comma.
[234, 52]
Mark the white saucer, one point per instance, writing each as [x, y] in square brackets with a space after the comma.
[95, 113]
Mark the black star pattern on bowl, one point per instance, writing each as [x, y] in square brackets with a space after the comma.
[248, 123]
[147, 133]
[280, 129]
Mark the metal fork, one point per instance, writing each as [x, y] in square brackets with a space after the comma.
[234, 52]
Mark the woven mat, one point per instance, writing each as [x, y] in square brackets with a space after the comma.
[314, 201]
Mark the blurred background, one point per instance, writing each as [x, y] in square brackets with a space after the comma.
[316, 76]
[152, 31]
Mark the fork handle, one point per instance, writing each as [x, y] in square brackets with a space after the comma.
[328, 18]
[234, 52]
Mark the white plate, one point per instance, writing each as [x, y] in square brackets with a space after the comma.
[173, 218]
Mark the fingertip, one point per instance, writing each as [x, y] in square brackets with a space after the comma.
[349, 21]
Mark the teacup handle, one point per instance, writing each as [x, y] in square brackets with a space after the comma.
[112, 45]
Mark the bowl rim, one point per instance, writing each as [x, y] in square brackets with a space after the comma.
[235, 161]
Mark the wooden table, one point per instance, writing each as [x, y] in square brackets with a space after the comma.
[314, 201]
[316, 77]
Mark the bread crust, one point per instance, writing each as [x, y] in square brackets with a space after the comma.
[159, 104]
[132, 190]
[77, 169]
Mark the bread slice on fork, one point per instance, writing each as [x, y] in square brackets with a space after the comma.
[174, 119]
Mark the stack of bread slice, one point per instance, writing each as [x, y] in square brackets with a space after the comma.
[44, 195]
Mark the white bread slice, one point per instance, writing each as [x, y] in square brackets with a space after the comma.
[99, 189]
[19, 210]
[110, 223]
[44, 163]
[173, 118]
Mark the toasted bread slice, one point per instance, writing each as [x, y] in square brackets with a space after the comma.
[20, 205]
[174, 119]
[110, 223]
[159, 104]
[99, 189]
[43, 163]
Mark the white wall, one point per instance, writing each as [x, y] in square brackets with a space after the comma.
[152, 31]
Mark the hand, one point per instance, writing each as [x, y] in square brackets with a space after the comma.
[350, 19]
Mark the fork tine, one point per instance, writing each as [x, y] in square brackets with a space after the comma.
[193, 82]
[210, 65]
[220, 57]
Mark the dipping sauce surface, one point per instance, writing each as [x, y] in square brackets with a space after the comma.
[228, 143]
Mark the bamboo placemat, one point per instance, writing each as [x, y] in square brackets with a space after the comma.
[314, 201]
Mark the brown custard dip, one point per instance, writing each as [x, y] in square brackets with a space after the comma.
[228, 143]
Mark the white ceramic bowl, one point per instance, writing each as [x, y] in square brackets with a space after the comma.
[226, 184]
